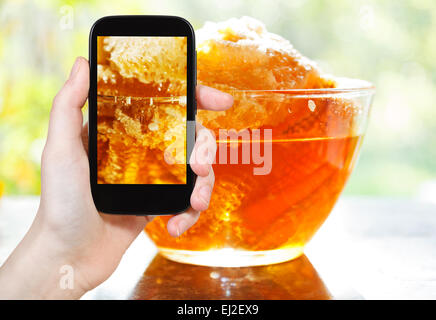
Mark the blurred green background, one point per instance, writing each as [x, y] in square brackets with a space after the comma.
[390, 43]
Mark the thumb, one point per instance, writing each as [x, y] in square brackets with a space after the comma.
[66, 116]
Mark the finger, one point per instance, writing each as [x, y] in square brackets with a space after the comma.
[66, 115]
[126, 222]
[212, 99]
[202, 192]
[204, 151]
[85, 137]
[182, 222]
[125, 228]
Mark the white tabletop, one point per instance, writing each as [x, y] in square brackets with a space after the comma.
[369, 248]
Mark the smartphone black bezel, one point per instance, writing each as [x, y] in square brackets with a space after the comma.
[141, 199]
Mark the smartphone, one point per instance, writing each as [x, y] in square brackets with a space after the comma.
[142, 111]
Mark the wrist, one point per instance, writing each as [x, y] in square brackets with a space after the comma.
[36, 270]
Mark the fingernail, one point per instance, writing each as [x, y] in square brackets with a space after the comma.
[75, 68]
[227, 99]
[181, 228]
[204, 194]
[178, 231]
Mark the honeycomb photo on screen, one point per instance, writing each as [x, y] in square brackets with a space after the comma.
[141, 110]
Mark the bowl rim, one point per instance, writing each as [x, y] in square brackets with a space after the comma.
[345, 86]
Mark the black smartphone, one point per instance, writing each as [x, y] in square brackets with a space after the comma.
[142, 111]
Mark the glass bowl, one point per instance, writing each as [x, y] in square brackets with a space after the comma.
[283, 159]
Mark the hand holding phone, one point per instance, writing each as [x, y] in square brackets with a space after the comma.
[68, 231]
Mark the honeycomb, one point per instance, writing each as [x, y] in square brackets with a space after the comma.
[240, 54]
[141, 112]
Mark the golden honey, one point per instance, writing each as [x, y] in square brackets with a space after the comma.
[314, 141]
[307, 140]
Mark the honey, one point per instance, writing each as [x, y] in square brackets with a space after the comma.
[301, 145]
[314, 141]
[267, 212]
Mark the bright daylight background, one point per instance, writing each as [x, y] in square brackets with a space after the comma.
[391, 43]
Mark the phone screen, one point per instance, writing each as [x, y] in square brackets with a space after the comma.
[141, 109]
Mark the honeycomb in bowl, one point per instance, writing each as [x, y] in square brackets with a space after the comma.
[240, 54]
[312, 146]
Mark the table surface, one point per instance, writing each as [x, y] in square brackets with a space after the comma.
[369, 248]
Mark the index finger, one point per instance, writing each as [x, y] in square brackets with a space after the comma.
[212, 99]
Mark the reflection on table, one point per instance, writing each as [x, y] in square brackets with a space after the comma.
[370, 248]
[165, 279]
